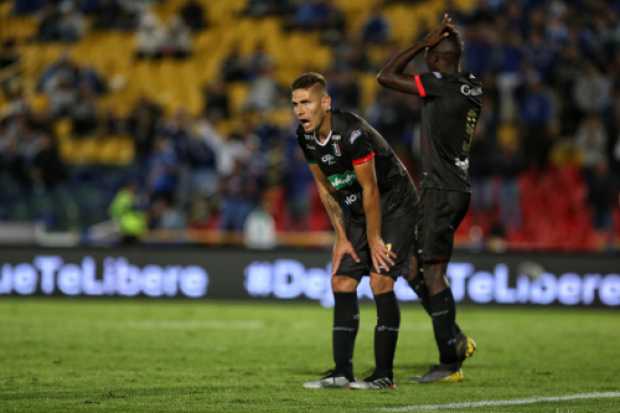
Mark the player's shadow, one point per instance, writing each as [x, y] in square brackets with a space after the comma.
[308, 372]
[423, 367]
[411, 366]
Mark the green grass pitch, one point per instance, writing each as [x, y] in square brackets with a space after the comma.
[62, 355]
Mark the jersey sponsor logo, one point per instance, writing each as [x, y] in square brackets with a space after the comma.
[354, 135]
[471, 91]
[339, 181]
[351, 199]
[337, 151]
[329, 159]
[462, 164]
[311, 147]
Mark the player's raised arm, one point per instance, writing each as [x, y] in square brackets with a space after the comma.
[342, 245]
[392, 75]
[382, 257]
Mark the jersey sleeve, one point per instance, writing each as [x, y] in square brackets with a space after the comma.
[303, 144]
[431, 84]
[360, 147]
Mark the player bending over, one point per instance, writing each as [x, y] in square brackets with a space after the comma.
[369, 197]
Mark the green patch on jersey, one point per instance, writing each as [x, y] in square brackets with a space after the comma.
[343, 180]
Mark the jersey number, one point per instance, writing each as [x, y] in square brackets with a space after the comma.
[470, 127]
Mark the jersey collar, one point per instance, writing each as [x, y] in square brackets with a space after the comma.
[329, 137]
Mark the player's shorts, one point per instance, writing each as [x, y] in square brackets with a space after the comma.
[440, 213]
[397, 229]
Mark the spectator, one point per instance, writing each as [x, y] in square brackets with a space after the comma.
[126, 213]
[193, 15]
[508, 164]
[62, 95]
[377, 28]
[150, 37]
[313, 15]
[539, 55]
[62, 68]
[163, 215]
[142, 126]
[163, 170]
[71, 25]
[392, 118]
[603, 196]
[233, 68]
[259, 60]
[565, 74]
[537, 112]
[50, 173]
[297, 186]
[344, 91]
[260, 228]
[178, 42]
[238, 198]
[84, 112]
[264, 91]
[592, 90]
[217, 104]
[61, 22]
[591, 141]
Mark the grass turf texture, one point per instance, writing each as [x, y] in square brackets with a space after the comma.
[60, 355]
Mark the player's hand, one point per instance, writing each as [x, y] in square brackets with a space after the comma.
[342, 247]
[382, 255]
[441, 32]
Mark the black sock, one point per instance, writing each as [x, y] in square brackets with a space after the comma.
[443, 312]
[346, 324]
[418, 285]
[386, 333]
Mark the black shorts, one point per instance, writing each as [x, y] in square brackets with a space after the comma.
[397, 230]
[440, 213]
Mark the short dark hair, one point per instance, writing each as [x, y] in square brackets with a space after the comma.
[307, 80]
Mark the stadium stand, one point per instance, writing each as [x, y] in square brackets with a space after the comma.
[188, 100]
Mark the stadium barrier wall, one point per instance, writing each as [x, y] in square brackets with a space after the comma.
[585, 280]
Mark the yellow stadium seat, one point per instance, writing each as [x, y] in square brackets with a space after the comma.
[369, 86]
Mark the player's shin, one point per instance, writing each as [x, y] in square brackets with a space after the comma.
[386, 333]
[419, 287]
[443, 313]
[346, 324]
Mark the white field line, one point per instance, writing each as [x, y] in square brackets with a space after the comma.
[198, 324]
[495, 403]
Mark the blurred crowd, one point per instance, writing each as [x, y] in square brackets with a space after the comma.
[548, 139]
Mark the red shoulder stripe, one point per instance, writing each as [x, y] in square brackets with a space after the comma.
[420, 86]
[363, 159]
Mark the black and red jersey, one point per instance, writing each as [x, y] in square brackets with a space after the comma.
[353, 141]
[450, 111]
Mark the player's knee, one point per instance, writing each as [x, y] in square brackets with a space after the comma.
[342, 284]
[434, 278]
[414, 270]
[381, 284]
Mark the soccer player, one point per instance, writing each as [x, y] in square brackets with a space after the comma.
[369, 197]
[450, 112]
